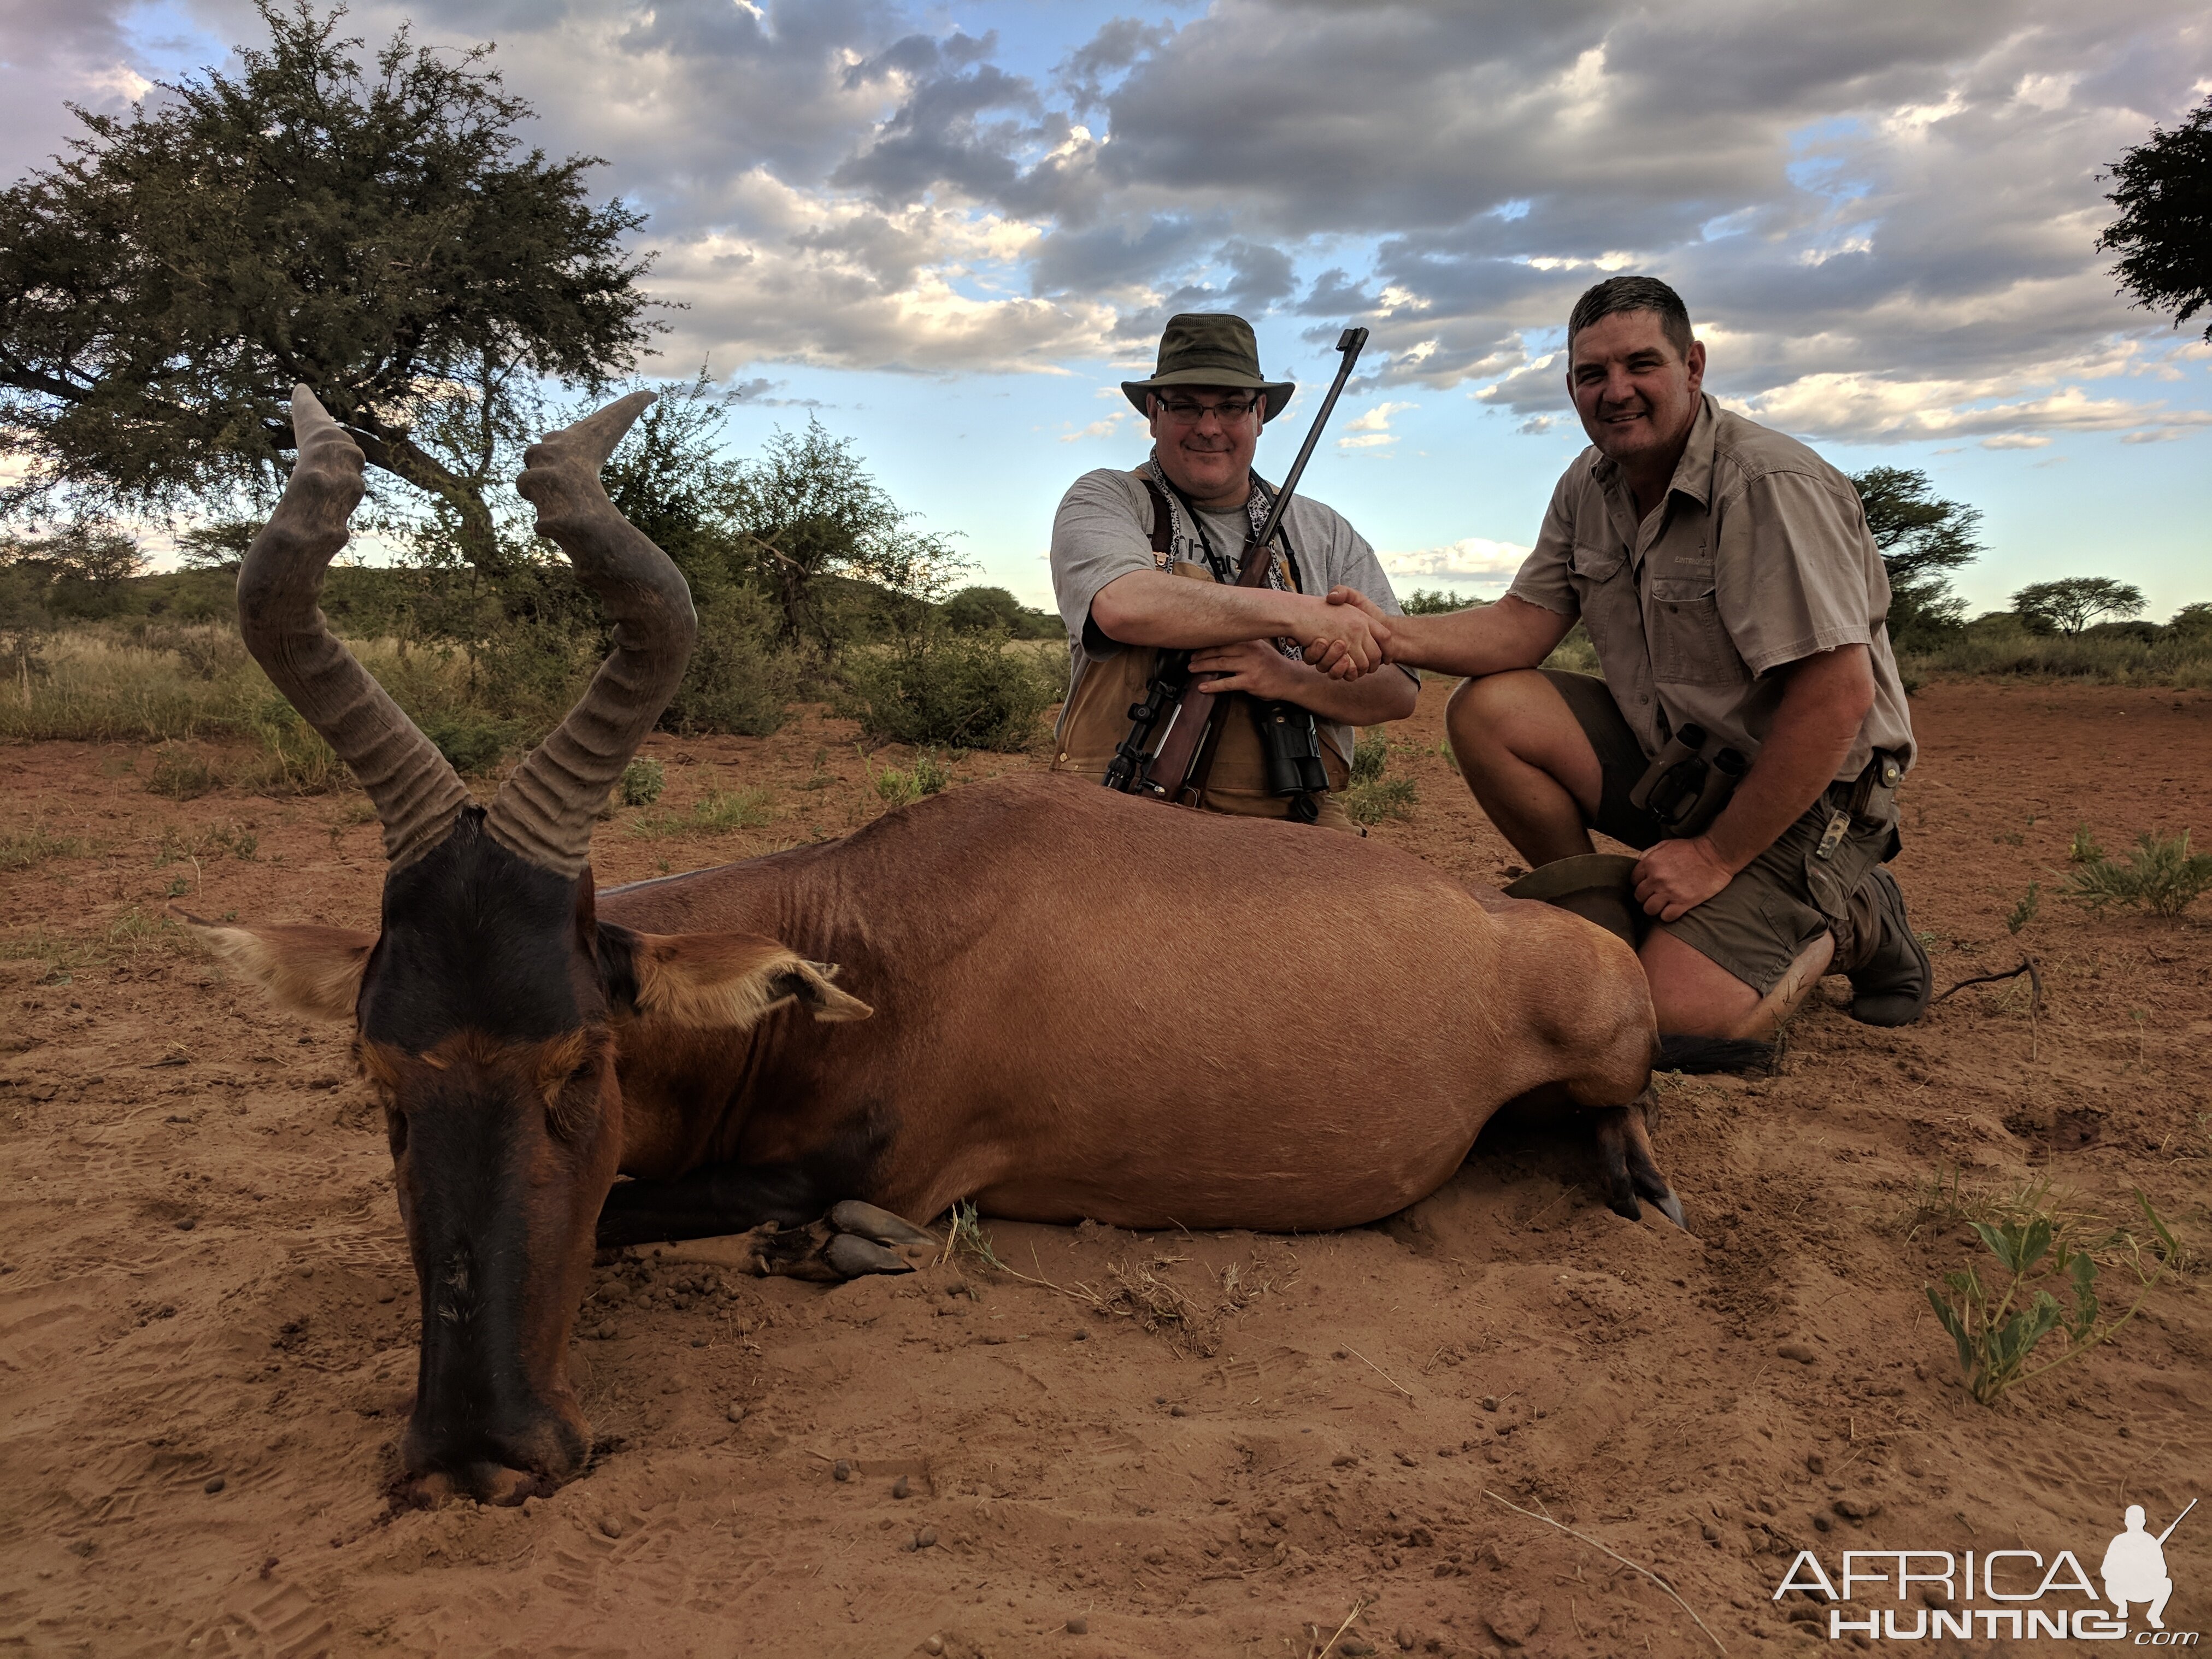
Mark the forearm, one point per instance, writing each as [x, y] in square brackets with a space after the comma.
[1378, 698]
[1814, 727]
[1150, 607]
[1490, 638]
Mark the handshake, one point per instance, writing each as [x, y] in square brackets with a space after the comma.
[1344, 636]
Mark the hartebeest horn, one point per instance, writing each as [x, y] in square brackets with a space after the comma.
[280, 587]
[544, 811]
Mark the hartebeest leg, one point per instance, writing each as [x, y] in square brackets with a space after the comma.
[1624, 1146]
[775, 1205]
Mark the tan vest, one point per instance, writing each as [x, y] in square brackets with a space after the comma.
[1098, 720]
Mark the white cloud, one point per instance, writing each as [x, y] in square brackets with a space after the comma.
[1473, 561]
[1372, 429]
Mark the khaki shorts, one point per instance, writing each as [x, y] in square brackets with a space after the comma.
[1779, 903]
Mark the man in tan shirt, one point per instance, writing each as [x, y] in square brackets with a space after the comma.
[1727, 579]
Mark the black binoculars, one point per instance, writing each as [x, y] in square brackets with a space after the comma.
[1682, 789]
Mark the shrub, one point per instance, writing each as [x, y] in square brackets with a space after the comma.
[641, 783]
[471, 740]
[2161, 876]
[740, 681]
[935, 688]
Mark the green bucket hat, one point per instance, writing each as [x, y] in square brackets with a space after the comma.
[1210, 348]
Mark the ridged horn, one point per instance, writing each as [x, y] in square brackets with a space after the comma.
[544, 811]
[280, 588]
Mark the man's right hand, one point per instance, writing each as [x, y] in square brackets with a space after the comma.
[1343, 640]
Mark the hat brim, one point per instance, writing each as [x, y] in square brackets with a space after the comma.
[1277, 391]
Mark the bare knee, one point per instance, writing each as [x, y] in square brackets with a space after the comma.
[1514, 715]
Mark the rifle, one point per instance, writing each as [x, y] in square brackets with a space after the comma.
[1175, 772]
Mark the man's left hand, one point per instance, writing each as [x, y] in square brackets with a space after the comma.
[1675, 877]
[1252, 667]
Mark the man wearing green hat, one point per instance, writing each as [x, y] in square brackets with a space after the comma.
[1146, 561]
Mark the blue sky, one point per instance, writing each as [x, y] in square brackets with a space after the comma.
[948, 232]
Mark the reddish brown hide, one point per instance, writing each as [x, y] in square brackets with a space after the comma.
[1086, 1008]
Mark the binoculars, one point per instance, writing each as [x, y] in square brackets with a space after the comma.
[1682, 789]
[1291, 748]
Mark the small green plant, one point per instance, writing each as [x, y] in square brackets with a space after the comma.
[965, 1236]
[1370, 755]
[1385, 798]
[721, 811]
[2160, 875]
[181, 775]
[1997, 1335]
[641, 783]
[473, 742]
[2024, 912]
[925, 776]
[22, 848]
[2084, 849]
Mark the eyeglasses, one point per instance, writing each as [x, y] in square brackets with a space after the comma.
[1189, 411]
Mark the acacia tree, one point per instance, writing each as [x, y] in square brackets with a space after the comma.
[2164, 233]
[1922, 539]
[2072, 603]
[808, 511]
[381, 235]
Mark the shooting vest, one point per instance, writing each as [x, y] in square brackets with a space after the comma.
[1097, 716]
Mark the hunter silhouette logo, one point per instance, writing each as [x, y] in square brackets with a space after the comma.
[2134, 1568]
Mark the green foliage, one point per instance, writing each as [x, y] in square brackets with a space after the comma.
[979, 610]
[807, 510]
[471, 741]
[2024, 912]
[2161, 876]
[2002, 644]
[2071, 604]
[381, 236]
[936, 689]
[1433, 602]
[1997, 1336]
[717, 813]
[1369, 753]
[181, 775]
[1922, 539]
[641, 783]
[2164, 233]
[1574, 654]
[2192, 621]
[2084, 849]
[925, 776]
[1386, 798]
[22, 849]
[741, 678]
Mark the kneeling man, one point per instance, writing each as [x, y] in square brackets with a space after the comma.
[1726, 576]
[1123, 544]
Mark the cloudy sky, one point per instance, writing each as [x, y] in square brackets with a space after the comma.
[949, 230]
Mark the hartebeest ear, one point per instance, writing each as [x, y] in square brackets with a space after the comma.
[718, 981]
[309, 971]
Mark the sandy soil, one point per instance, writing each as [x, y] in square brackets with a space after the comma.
[207, 1317]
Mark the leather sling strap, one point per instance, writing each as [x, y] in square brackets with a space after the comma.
[1176, 758]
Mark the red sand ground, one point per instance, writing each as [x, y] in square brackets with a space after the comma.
[207, 1317]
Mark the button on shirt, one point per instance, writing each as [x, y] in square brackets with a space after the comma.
[1759, 556]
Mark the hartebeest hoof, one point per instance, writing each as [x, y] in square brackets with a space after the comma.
[852, 1256]
[1624, 1145]
[868, 1222]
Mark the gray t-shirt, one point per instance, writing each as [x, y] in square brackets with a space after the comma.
[1104, 530]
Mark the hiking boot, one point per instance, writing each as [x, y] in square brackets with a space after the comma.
[1892, 981]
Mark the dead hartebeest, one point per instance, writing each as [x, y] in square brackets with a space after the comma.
[1055, 1000]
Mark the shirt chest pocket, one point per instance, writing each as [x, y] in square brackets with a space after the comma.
[1689, 646]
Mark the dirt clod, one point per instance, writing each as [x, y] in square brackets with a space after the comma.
[901, 1487]
[1513, 1619]
[1802, 1353]
[1079, 1626]
[215, 1483]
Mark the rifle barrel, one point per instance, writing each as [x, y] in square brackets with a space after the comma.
[1350, 342]
[2178, 1519]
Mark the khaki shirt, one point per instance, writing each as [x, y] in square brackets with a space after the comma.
[1759, 556]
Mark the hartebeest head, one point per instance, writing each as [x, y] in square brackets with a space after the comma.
[482, 1007]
